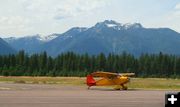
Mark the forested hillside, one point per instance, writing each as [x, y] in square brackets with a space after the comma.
[71, 64]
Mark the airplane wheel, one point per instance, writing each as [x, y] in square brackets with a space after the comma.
[125, 88]
[117, 88]
[88, 88]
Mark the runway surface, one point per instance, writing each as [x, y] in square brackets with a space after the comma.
[36, 95]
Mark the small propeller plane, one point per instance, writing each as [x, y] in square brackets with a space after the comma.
[108, 78]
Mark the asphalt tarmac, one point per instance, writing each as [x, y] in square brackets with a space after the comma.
[39, 95]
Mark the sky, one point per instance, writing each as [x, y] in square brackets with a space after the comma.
[29, 17]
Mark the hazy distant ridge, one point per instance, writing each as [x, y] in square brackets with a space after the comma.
[5, 48]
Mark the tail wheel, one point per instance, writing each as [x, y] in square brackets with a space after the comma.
[88, 87]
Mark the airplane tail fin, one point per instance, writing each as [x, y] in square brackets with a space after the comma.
[90, 80]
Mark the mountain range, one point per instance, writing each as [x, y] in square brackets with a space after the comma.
[107, 37]
[5, 48]
[31, 44]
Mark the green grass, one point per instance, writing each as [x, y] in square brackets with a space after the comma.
[45, 80]
[155, 83]
[136, 83]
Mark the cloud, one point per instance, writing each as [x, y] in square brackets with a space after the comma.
[62, 9]
[177, 7]
[43, 16]
[176, 12]
[78, 8]
[13, 22]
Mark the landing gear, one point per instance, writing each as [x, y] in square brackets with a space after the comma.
[119, 87]
[88, 87]
[124, 87]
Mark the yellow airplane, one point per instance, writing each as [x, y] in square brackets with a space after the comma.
[108, 78]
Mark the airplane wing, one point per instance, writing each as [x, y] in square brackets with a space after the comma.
[127, 74]
[110, 74]
[104, 74]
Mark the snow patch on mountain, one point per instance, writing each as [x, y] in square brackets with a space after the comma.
[134, 25]
[111, 25]
[47, 38]
[117, 26]
[33, 37]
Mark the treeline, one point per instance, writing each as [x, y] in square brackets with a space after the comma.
[71, 64]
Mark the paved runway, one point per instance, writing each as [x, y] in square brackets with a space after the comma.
[34, 95]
